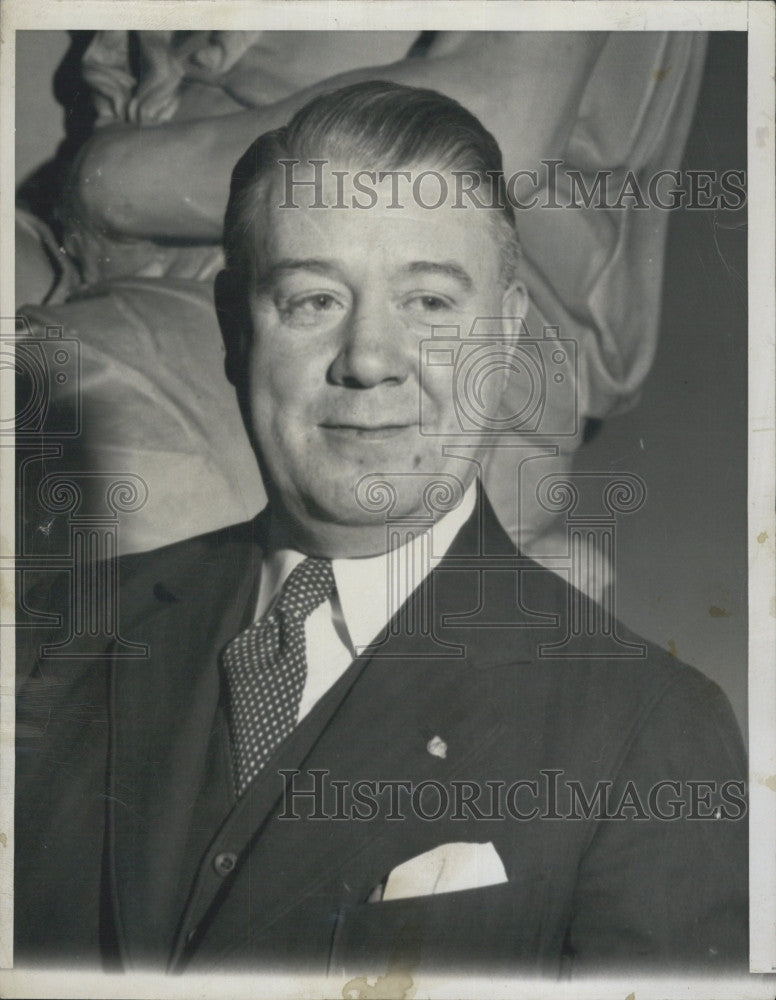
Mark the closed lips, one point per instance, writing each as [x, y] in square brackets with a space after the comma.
[366, 430]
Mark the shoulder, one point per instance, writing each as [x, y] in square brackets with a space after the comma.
[565, 658]
[187, 570]
[218, 545]
[593, 683]
[138, 582]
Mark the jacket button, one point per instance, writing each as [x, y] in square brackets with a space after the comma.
[224, 863]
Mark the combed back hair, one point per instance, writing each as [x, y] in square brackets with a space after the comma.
[383, 127]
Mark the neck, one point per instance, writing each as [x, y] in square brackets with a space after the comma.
[338, 541]
[332, 541]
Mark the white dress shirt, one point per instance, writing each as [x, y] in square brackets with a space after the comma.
[369, 592]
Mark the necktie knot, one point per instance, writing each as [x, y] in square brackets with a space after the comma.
[308, 585]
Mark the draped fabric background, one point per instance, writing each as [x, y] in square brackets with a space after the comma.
[152, 361]
[594, 274]
[682, 559]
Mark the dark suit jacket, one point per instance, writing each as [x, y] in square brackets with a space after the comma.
[131, 848]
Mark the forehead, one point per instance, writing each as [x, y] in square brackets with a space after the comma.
[351, 214]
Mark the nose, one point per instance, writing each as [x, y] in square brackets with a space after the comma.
[373, 350]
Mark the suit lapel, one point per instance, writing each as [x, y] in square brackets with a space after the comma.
[186, 616]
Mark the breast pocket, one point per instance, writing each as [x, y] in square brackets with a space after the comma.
[469, 930]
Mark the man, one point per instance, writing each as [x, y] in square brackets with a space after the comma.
[352, 746]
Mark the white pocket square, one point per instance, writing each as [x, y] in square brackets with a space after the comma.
[447, 868]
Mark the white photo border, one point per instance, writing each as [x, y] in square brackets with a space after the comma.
[757, 18]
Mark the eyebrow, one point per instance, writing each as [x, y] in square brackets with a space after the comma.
[446, 268]
[319, 265]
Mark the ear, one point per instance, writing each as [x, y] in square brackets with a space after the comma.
[514, 308]
[234, 321]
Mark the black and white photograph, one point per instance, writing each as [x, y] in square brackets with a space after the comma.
[388, 486]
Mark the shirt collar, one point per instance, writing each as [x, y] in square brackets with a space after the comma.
[371, 589]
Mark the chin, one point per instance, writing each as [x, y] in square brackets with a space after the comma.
[378, 500]
[335, 505]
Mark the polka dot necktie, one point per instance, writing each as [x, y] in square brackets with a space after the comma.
[266, 669]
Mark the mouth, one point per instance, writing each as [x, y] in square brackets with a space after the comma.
[367, 432]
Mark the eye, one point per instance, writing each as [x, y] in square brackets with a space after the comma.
[428, 304]
[432, 303]
[320, 302]
[309, 310]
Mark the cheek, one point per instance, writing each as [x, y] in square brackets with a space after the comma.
[439, 387]
[279, 381]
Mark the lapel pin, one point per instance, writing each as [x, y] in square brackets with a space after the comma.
[437, 747]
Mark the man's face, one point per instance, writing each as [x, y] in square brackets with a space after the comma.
[339, 308]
